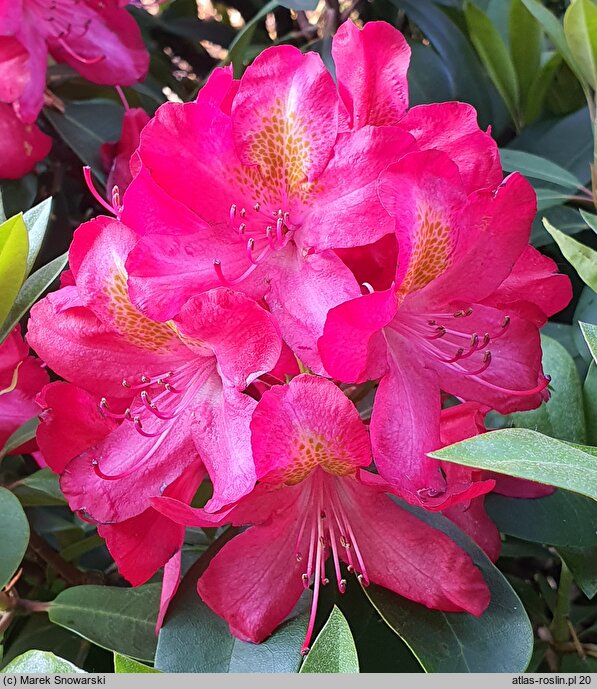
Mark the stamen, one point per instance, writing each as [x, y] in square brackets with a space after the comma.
[94, 192]
[368, 287]
[80, 58]
[486, 362]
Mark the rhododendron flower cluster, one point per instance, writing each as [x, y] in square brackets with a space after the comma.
[286, 245]
[97, 38]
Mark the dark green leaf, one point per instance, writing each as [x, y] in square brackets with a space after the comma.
[525, 44]
[41, 662]
[586, 312]
[333, 650]
[128, 665]
[494, 56]
[428, 80]
[589, 332]
[501, 640]
[85, 126]
[561, 519]
[539, 168]
[529, 455]
[562, 416]
[14, 535]
[582, 562]
[17, 195]
[590, 404]
[41, 488]
[571, 662]
[540, 86]
[22, 435]
[119, 619]
[35, 285]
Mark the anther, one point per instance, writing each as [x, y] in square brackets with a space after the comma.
[232, 212]
[342, 585]
[241, 228]
[474, 340]
[256, 207]
[243, 212]
[325, 581]
[145, 379]
[305, 578]
[363, 581]
[299, 557]
[506, 322]
[125, 384]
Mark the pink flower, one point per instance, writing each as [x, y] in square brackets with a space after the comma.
[174, 388]
[314, 501]
[116, 155]
[22, 145]
[96, 37]
[462, 316]
[285, 184]
[21, 378]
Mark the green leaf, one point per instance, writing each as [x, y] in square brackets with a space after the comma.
[14, 248]
[580, 29]
[554, 29]
[195, 639]
[582, 562]
[495, 57]
[35, 285]
[125, 664]
[561, 519]
[562, 416]
[22, 435]
[16, 195]
[238, 47]
[539, 88]
[586, 312]
[41, 662]
[85, 126]
[36, 222]
[572, 662]
[589, 393]
[525, 44]
[582, 258]
[539, 168]
[39, 489]
[590, 219]
[529, 455]
[119, 619]
[333, 650]
[14, 535]
[589, 332]
[74, 550]
[501, 640]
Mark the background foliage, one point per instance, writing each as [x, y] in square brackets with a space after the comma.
[532, 77]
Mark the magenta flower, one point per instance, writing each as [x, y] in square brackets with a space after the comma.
[96, 37]
[174, 387]
[462, 315]
[22, 145]
[288, 184]
[314, 501]
[21, 378]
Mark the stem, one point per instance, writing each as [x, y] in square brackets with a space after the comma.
[65, 569]
[559, 624]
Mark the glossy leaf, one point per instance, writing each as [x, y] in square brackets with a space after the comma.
[537, 167]
[36, 221]
[582, 562]
[41, 662]
[195, 639]
[41, 488]
[529, 455]
[562, 416]
[590, 219]
[501, 640]
[85, 126]
[14, 535]
[128, 665]
[580, 29]
[14, 249]
[583, 258]
[119, 619]
[539, 87]
[554, 29]
[525, 45]
[333, 650]
[590, 404]
[494, 56]
[34, 287]
[21, 436]
[589, 332]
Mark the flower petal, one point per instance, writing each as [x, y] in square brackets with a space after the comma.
[371, 65]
